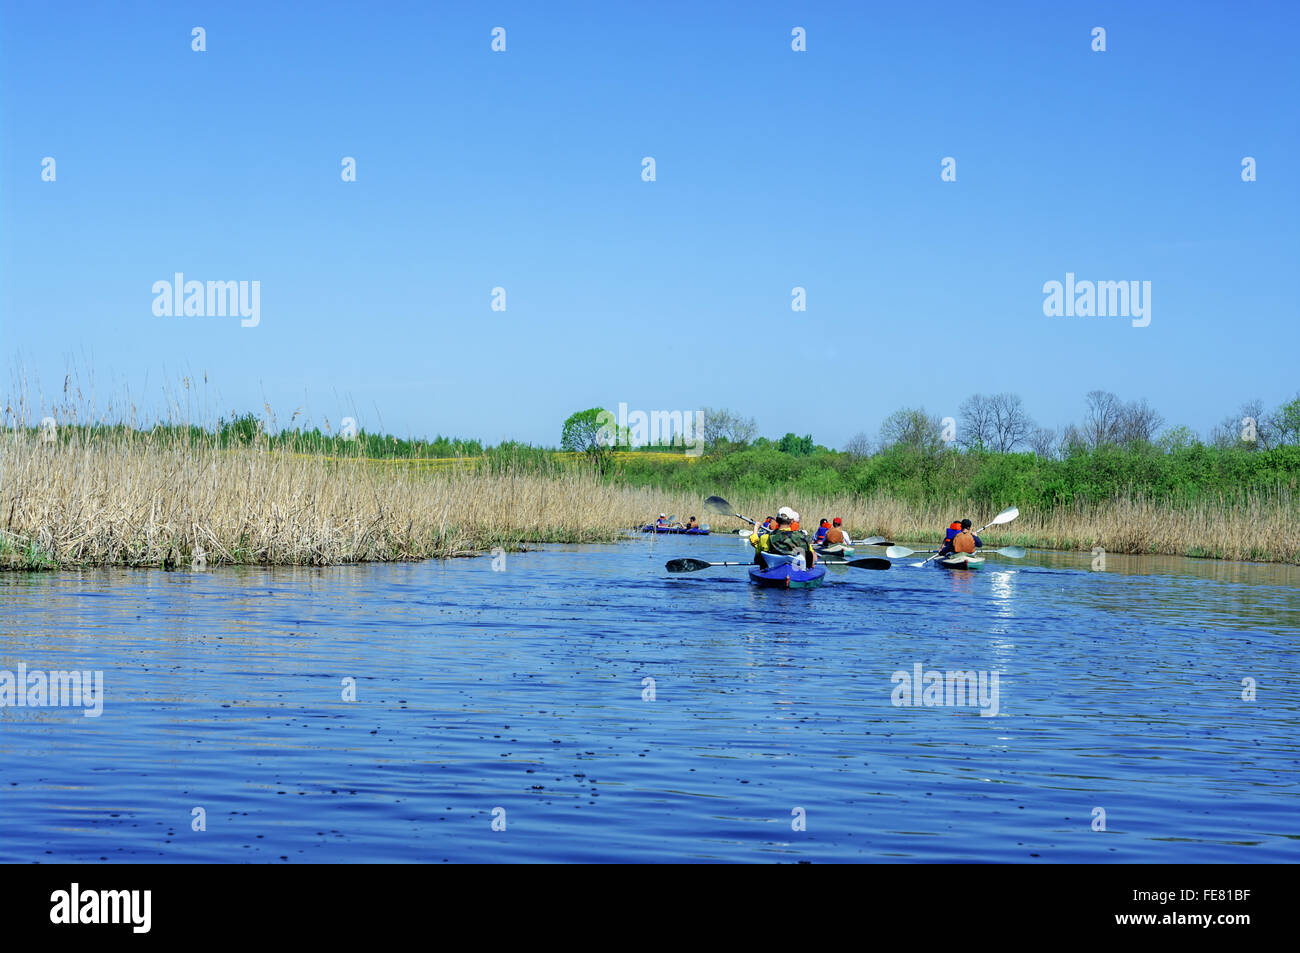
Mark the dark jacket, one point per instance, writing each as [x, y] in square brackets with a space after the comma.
[790, 543]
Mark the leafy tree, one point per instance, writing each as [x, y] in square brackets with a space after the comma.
[724, 429]
[796, 446]
[582, 431]
[1177, 438]
[1285, 422]
[913, 429]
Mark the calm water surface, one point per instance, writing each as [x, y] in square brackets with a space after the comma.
[525, 690]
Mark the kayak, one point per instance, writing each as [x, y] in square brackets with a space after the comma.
[676, 530]
[836, 551]
[960, 561]
[781, 574]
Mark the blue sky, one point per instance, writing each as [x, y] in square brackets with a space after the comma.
[775, 169]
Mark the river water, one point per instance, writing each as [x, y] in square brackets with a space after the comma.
[578, 703]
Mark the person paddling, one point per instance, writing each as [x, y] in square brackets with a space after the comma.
[953, 529]
[784, 540]
[823, 528]
[836, 536]
[960, 539]
[692, 524]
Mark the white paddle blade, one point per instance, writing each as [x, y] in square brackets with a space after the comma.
[899, 552]
[1006, 516]
[1014, 552]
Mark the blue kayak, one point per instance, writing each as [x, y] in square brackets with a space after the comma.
[781, 574]
[676, 530]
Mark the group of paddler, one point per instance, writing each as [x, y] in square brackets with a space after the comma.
[666, 522]
[780, 536]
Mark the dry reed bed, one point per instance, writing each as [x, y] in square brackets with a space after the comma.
[1256, 528]
[141, 502]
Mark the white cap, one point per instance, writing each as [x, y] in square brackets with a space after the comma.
[794, 517]
[663, 516]
[785, 512]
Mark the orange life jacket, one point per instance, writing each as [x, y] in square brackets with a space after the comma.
[964, 542]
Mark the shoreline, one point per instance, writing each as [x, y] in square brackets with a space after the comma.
[14, 559]
[171, 504]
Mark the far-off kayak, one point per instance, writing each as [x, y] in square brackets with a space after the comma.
[960, 561]
[676, 530]
[781, 574]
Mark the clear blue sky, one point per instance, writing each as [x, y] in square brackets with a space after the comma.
[775, 169]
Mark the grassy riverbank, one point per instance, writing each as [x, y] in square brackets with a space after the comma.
[171, 496]
[141, 501]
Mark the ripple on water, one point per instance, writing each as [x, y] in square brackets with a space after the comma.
[523, 690]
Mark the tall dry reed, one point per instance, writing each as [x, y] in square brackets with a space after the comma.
[163, 498]
[141, 502]
[1258, 526]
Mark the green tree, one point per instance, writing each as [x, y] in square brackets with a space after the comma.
[1286, 422]
[1177, 438]
[912, 428]
[586, 431]
[796, 446]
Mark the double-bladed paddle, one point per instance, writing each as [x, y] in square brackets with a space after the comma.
[1006, 516]
[871, 541]
[867, 562]
[719, 505]
[902, 552]
[695, 565]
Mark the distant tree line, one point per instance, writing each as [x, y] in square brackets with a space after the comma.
[999, 423]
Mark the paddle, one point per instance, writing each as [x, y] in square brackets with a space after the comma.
[870, 562]
[1006, 516]
[872, 541]
[902, 552]
[719, 505]
[695, 565]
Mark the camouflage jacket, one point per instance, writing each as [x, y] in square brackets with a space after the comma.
[790, 543]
